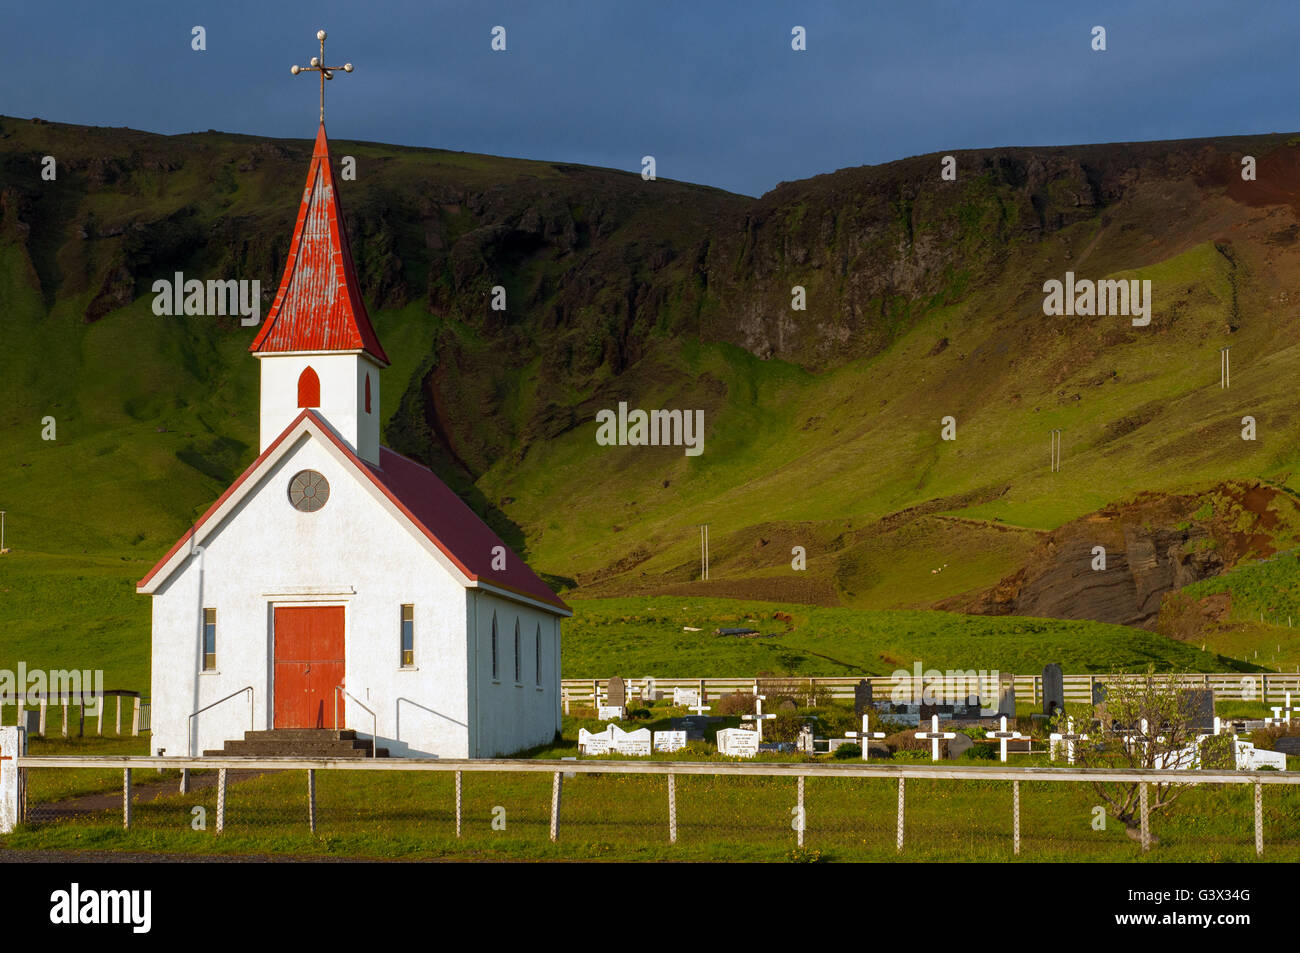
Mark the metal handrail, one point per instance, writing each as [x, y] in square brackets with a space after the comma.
[251, 720]
[374, 728]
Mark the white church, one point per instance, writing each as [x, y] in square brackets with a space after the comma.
[337, 586]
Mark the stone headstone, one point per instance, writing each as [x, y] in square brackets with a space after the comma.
[1053, 689]
[611, 712]
[959, 745]
[738, 742]
[33, 718]
[804, 741]
[686, 697]
[1007, 695]
[593, 742]
[616, 692]
[1099, 695]
[670, 740]
[787, 705]
[861, 697]
[629, 742]
[1199, 705]
[1288, 745]
[693, 725]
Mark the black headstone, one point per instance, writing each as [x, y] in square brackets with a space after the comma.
[693, 725]
[1289, 745]
[1053, 689]
[1098, 693]
[861, 697]
[1199, 705]
[959, 745]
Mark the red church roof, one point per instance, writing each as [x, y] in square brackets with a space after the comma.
[319, 306]
[429, 504]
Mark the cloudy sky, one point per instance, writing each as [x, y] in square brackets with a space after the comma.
[712, 89]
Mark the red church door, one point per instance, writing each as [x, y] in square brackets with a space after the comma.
[308, 665]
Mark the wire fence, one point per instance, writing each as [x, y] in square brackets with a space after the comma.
[613, 809]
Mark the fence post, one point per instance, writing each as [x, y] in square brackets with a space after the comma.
[44, 706]
[22, 707]
[1146, 820]
[126, 798]
[311, 800]
[1259, 820]
[803, 818]
[99, 715]
[64, 706]
[1264, 680]
[221, 800]
[135, 716]
[1015, 814]
[902, 782]
[458, 804]
[555, 807]
[672, 808]
[185, 781]
[119, 713]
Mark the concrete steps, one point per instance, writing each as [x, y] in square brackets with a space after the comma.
[297, 742]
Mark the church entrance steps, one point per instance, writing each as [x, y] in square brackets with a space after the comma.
[298, 742]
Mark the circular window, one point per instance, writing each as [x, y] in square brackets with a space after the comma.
[308, 491]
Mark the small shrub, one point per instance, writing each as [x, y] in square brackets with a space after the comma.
[848, 751]
[804, 855]
[737, 703]
[982, 752]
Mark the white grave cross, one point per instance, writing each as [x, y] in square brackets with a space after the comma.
[934, 736]
[1003, 736]
[866, 735]
[1069, 737]
[758, 717]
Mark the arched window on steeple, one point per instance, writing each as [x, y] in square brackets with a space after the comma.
[367, 393]
[308, 388]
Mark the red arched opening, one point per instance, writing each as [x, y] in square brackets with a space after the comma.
[308, 388]
[367, 393]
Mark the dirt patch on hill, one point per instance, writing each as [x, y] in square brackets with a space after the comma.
[1117, 564]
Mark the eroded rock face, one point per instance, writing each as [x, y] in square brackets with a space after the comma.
[1153, 546]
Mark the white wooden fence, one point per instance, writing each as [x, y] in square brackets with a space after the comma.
[671, 769]
[58, 709]
[1263, 687]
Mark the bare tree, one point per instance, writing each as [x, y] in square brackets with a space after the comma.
[1145, 721]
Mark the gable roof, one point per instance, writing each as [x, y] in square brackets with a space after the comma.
[428, 505]
[319, 306]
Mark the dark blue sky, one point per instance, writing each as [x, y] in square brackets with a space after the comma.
[710, 88]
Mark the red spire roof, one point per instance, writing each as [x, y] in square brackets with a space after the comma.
[319, 306]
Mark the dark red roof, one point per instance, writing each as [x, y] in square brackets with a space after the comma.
[454, 527]
[431, 506]
[319, 306]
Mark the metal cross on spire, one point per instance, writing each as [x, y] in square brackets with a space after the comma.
[326, 72]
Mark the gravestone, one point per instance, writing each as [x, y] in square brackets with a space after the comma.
[959, 745]
[861, 697]
[787, 705]
[1007, 695]
[611, 712]
[629, 742]
[616, 693]
[693, 725]
[1199, 705]
[686, 697]
[593, 742]
[1098, 693]
[670, 740]
[1053, 689]
[33, 718]
[738, 742]
[804, 742]
[1288, 745]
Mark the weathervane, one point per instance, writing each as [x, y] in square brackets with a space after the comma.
[326, 72]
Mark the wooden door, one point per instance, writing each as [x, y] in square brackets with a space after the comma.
[308, 665]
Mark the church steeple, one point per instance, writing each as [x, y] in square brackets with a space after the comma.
[317, 347]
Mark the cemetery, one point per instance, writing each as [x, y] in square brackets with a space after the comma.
[679, 773]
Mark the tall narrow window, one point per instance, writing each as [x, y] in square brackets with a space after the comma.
[308, 388]
[367, 393]
[537, 651]
[209, 640]
[495, 652]
[408, 636]
[517, 666]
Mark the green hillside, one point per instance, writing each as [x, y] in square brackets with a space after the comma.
[822, 426]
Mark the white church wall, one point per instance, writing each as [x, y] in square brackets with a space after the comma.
[512, 716]
[266, 554]
[342, 394]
